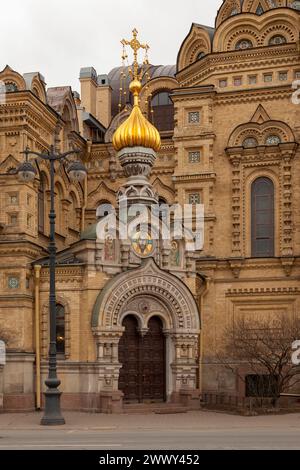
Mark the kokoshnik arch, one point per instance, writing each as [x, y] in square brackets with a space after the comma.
[218, 128]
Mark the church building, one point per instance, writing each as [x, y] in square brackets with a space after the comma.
[141, 319]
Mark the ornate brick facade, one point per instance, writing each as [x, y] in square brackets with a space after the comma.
[232, 95]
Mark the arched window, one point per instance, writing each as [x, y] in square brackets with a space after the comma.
[276, 40]
[244, 44]
[73, 212]
[104, 208]
[163, 111]
[296, 5]
[58, 208]
[12, 171]
[10, 87]
[273, 140]
[60, 329]
[259, 10]
[234, 12]
[41, 203]
[262, 214]
[200, 55]
[67, 127]
[163, 213]
[250, 142]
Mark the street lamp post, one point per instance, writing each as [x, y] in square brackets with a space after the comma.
[27, 172]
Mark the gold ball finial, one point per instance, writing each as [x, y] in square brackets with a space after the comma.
[135, 87]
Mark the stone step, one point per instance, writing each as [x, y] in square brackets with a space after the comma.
[156, 408]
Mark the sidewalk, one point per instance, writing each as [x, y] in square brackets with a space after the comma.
[195, 420]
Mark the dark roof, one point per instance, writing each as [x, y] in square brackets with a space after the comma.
[70, 259]
[56, 97]
[114, 76]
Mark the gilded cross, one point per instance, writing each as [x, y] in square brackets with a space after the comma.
[135, 45]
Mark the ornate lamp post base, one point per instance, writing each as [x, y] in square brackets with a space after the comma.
[52, 415]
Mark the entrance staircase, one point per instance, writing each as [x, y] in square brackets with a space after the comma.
[153, 408]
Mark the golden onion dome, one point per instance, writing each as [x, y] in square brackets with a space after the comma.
[136, 131]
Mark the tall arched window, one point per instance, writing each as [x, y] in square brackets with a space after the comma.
[59, 208]
[262, 214]
[67, 127]
[41, 203]
[163, 111]
[60, 329]
[73, 223]
[104, 208]
[163, 213]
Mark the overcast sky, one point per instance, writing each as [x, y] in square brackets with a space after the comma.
[58, 37]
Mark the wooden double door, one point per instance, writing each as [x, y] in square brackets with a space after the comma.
[142, 376]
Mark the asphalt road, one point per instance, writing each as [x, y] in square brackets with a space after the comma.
[199, 430]
[163, 439]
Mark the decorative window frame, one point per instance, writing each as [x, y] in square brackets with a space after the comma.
[9, 219]
[10, 277]
[247, 165]
[281, 29]
[247, 34]
[195, 111]
[10, 195]
[45, 328]
[194, 150]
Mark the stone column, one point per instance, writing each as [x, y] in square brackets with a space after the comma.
[287, 206]
[184, 368]
[236, 207]
[111, 399]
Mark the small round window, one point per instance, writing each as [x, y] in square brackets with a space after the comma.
[200, 55]
[273, 140]
[296, 5]
[250, 142]
[10, 86]
[244, 44]
[277, 40]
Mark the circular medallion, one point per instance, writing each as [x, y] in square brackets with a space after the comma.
[142, 244]
[144, 307]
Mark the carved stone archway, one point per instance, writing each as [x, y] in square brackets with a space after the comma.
[145, 292]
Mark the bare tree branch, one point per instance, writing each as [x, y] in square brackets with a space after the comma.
[263, 348]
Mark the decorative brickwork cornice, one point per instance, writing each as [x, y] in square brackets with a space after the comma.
[238, 61]
[261, 291]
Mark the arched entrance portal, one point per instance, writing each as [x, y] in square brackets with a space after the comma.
[142, 358]
[163, 335]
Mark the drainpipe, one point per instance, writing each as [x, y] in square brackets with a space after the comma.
[201, 349]
[37, 271]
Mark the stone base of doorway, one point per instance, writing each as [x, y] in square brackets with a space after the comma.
[156, 408]
[111, 402]
[188, 398]
[181, 402]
